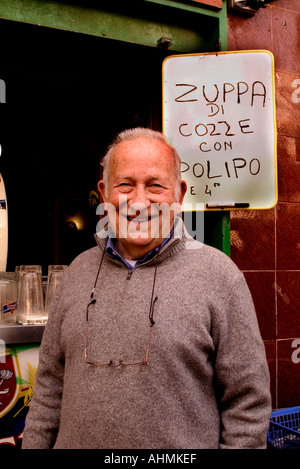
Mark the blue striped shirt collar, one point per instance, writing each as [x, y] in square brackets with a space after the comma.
[111, 250]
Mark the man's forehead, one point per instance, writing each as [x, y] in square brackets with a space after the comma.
[141, 157]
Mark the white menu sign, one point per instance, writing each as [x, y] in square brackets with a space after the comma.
[219, 113]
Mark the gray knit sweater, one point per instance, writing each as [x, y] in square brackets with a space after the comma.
[206, 383]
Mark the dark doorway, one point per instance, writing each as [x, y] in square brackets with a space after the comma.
[67, 95]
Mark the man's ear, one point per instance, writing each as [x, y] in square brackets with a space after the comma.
[183, 189]
[101, 189]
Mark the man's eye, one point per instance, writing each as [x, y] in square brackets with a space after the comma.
[156, 186]
[125, 186]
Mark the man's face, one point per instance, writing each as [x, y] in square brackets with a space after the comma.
[141, 195]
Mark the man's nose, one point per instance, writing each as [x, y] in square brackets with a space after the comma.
[140, 196]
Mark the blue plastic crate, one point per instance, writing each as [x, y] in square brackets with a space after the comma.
[284, 429]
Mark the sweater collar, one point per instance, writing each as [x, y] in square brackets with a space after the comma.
[112, 251]
[177, 237]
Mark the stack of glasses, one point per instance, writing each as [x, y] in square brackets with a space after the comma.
[21, 293]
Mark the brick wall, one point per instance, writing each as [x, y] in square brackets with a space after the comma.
[266, 244]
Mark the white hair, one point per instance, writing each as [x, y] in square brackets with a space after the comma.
[138, 132]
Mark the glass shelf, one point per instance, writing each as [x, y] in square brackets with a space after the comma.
[18, 334]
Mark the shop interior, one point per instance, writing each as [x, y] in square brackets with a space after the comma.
[67, 95]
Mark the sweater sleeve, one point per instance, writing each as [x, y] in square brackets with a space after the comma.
[242, 373]
[42, 422]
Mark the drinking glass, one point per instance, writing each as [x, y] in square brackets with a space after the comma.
[55, 274]
[8, 296]
[30, 268]
[31, 305]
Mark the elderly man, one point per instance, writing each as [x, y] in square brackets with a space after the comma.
[152, 341]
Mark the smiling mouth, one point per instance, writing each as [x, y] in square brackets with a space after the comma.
[140, 219]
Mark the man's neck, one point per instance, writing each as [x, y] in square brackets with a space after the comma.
[134, 252]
